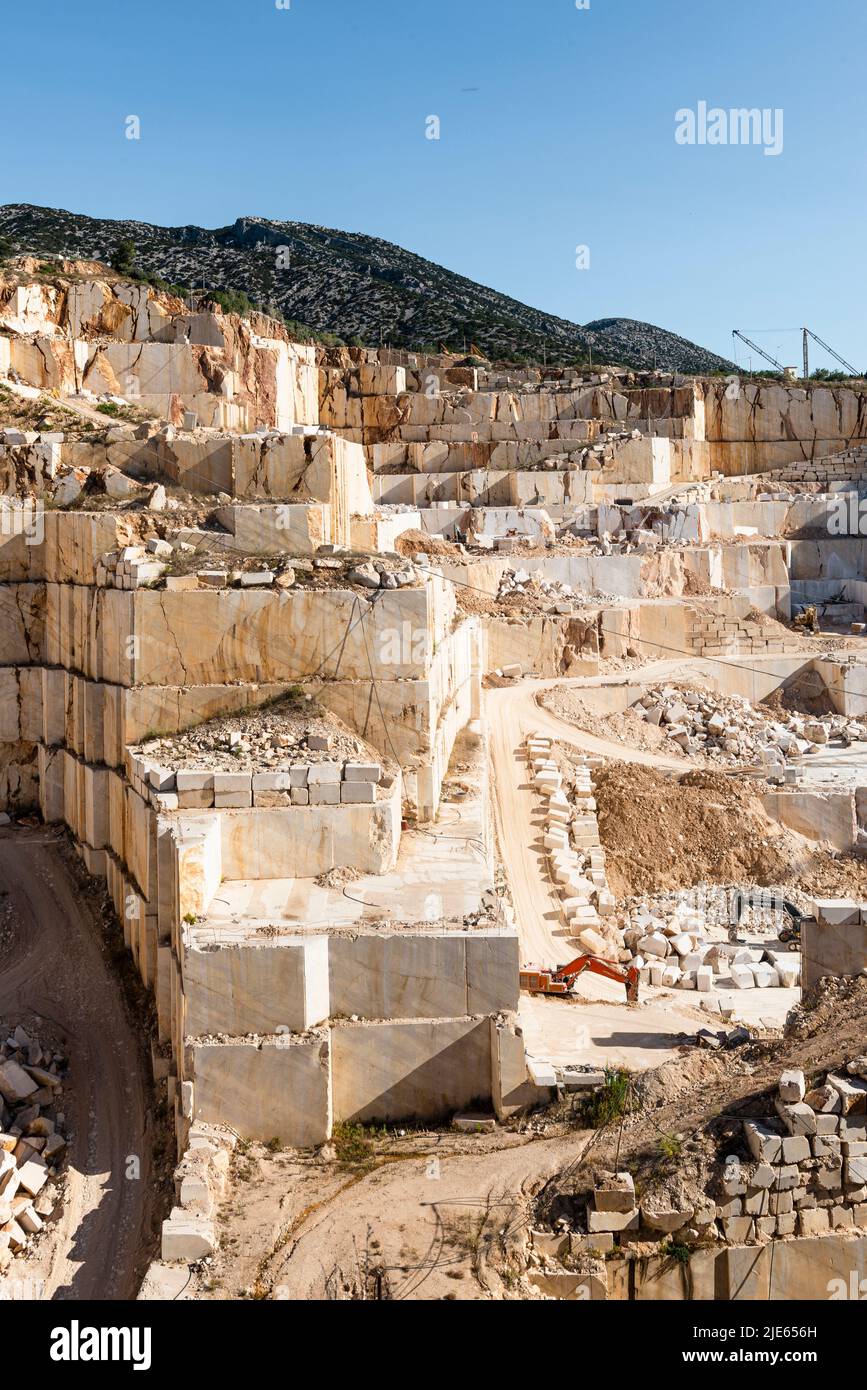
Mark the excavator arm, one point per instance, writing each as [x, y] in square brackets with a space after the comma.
[561, 980]
[597, 966]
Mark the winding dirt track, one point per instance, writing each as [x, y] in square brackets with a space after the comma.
[54, 968]
[512, 713]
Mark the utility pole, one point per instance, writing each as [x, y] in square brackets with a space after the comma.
[806, 357]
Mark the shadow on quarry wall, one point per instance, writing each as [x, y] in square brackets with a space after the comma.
[816, 1269]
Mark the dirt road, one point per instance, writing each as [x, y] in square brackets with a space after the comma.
[429, 1220]
[512, 713]
[52, 968]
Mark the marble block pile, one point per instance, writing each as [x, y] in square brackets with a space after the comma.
[803, 1173]
[809, 1170]
[729, 728]
[674, 952]
[316, 784]
[31, 1143]
[201, 1180]
[576, 860]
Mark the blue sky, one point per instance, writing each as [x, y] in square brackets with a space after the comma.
[557, 130]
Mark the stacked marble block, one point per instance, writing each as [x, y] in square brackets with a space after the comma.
[810, 1160]
[289, 1037]
[806, 1175]
[575, 856]
[323, 783]
[201, 1182]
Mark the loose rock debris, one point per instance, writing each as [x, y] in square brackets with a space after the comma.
[32, 1140]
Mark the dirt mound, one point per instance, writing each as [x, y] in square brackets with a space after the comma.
[476, 604]
[717, 782]
[419, 543]
[688, 1073]
[663, 832]
[696, 586]
[823, 875]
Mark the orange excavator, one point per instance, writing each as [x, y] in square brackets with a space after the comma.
[562, 980]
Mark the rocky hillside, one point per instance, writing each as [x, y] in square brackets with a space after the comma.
[357, 287]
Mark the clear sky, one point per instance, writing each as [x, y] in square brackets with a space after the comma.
[557, 129]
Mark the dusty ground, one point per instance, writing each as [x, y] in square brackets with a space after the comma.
[436, 1215]
[610, 1033]
[427, 1216]
[59, 968]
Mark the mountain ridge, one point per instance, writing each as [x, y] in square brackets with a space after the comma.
[360, 288]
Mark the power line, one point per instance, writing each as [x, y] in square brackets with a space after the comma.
[375, 685]
[662, 646]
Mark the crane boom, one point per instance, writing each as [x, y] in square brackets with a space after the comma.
[736, 333]
[836, 356]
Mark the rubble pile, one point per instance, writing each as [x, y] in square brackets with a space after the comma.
[535, 592]
[802, 1171]
[264, 738]
[155, 562]
[376, 574]
[602, 453]
[672, 948]
[641, 528]
[201, 1180]
[32, 1144]
[808, 1173]
[728, 911]
[31, 461]
[728, 729]
[282, 755]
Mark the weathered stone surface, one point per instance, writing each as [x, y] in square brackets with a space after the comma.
[792, 1087]
[274, 1089]
[15, 1084]
[385, 1071]
[616, 1194]
[613, 1221]
[187, 1236]
[258, 987]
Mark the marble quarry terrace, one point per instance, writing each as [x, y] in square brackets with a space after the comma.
[361, 692]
